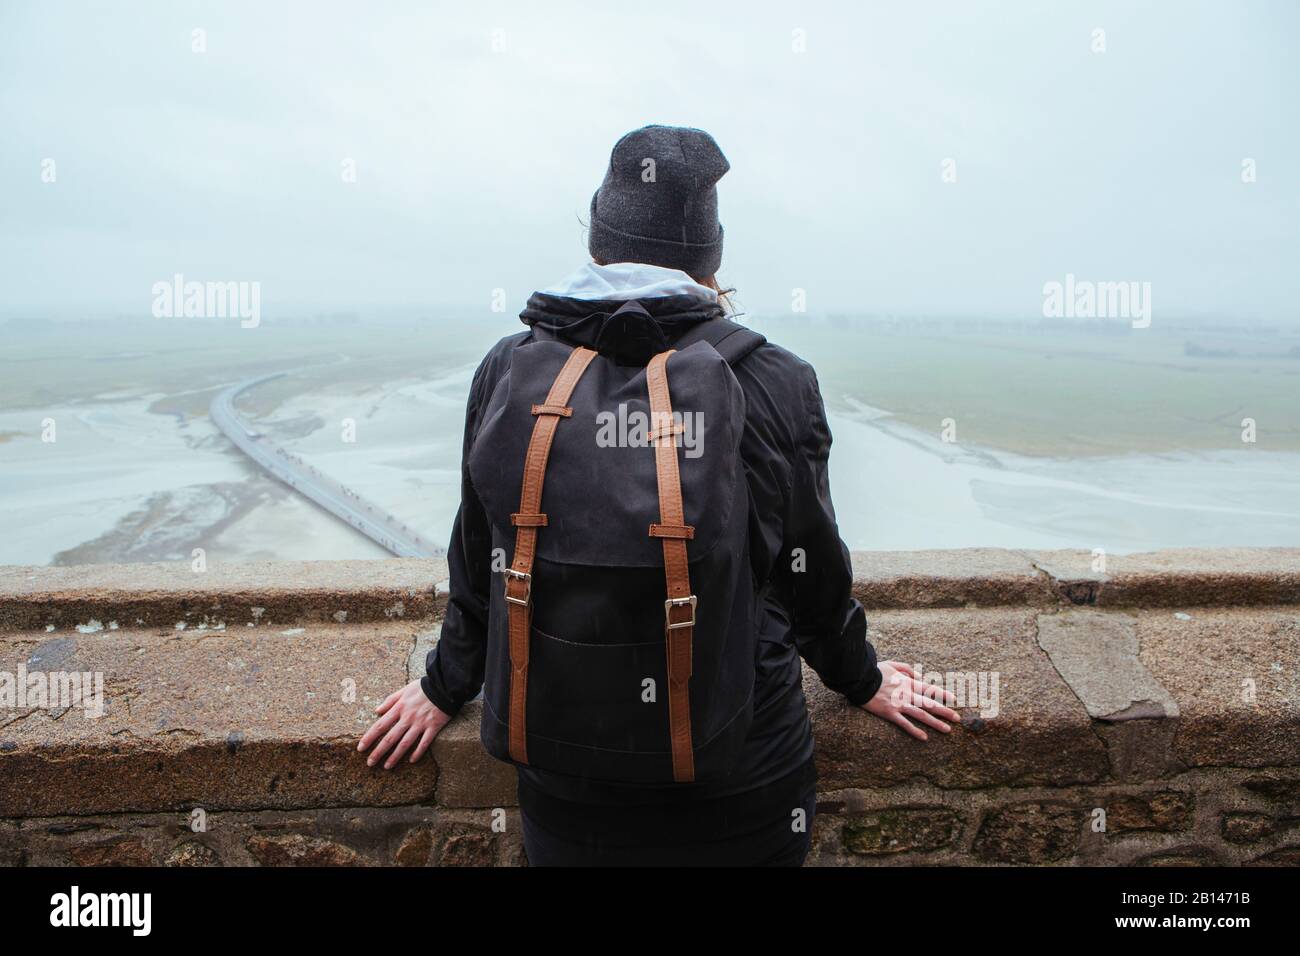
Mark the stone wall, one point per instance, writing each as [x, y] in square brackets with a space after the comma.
[1144, 716]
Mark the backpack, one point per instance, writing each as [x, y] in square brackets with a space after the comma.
[621, 631]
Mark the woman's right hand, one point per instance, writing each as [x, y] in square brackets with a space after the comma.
[407, 719]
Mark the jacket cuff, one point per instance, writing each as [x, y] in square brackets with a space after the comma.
[860, 695]
[440, 700]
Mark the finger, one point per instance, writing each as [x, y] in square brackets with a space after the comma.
[900, 666]
[423, 745]
[426, 741]
[907, 725]
[934, 692]
[391, 699]
[929, 704]
[391, 738]
[916, 713]
[377, 728]
[938, 710]
[408, 740]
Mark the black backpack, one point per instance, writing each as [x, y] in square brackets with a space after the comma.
[621, 632]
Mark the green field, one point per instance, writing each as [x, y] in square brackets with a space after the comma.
[1031, 389]
[1064, 393]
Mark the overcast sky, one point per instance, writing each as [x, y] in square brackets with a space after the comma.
[474, 164]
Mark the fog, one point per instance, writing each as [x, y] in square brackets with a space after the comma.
[477, 134]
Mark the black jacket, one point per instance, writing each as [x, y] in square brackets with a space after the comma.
[798, 558]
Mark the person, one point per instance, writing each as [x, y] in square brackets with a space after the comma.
[657, 239]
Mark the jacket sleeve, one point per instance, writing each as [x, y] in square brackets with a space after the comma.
[454, 668]
[814, 573]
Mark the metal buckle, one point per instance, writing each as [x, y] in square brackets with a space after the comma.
[679, 602]
[528, 586]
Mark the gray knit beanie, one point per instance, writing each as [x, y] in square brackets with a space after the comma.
[659, 201]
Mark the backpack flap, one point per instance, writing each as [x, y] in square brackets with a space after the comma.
[600, 490]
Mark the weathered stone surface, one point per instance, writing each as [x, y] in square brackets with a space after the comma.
[118, 851]
[385, 835]
[901, 830]
[258, 726]
[374, 833]
[1140, 749]
[425, 639]
[1183, 577]
[1285, 789]
[1247, 827]
[245, 718]
[258, 592]
[416, 847]
[1181, 856]
[1033, 832]
[1097, 655]
[468, 776]
[1234, 675]
[1073, 576]
[982, 577]
[1282, 856]
[296, 849]
[192, 853]
[279, 592]
[457, 844]
[1040, 733]
[1167, 811]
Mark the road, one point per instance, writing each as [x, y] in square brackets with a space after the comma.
[344, 504]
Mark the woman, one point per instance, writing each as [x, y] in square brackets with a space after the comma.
[655, 237]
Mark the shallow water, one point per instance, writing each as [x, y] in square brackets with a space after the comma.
[122, 483]
[897, 489]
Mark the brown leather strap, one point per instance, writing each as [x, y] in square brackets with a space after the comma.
[519, 577]
[523, 521]
[678, 428]
[671, 531]
[679, 609]
[562, 410]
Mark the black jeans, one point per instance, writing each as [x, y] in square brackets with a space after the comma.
[770, 826]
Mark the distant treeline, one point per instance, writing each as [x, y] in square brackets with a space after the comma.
[965, 325]
[1192, 350]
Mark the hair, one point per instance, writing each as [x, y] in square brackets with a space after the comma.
[724, 295]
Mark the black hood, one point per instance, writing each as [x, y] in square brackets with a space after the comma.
[631, 338]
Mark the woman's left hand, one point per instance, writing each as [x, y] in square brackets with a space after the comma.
[406, 719]
[902, 698]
